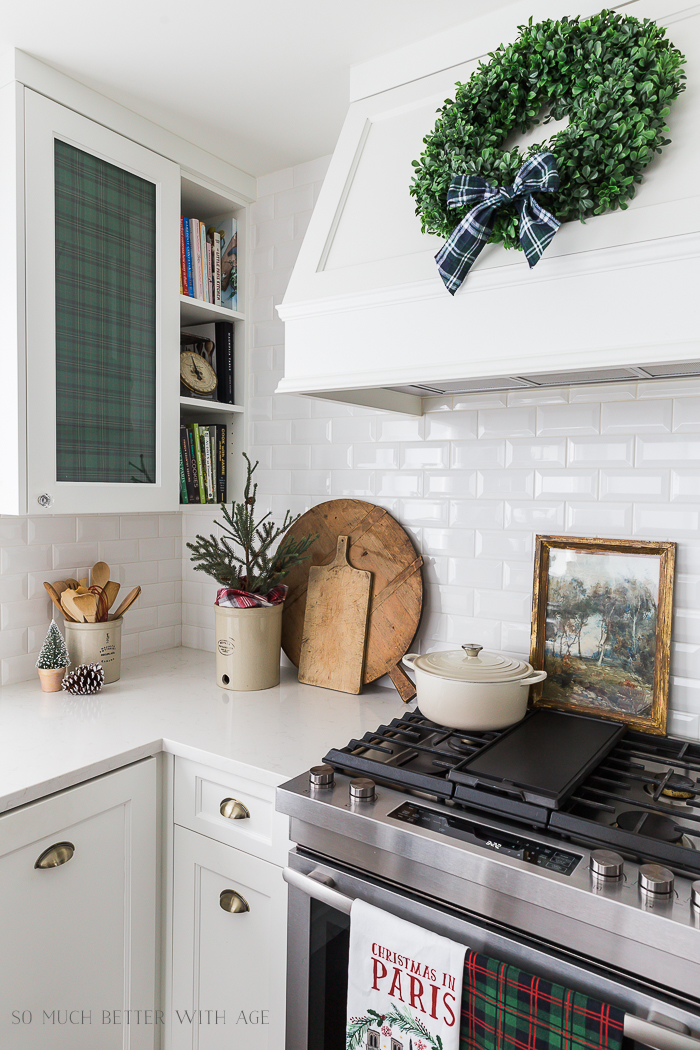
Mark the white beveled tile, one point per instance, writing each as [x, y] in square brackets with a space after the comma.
[474, 572]
[539, 396]
[450, 482]
[599, 519]
[291, 457]
[674, 522]
[395, 483]
[682, 723]
[604, 392]
[311, 431]
[274, 482]
[17, 615]
[72, 555]
[309, 483]
[443, 403]
[517, 576]
[686, 694]
[581, 484]
[515, 422]
[131, 574]
[686, 625]
[13, 531]
[169, 615]
[359, 483]
[686, 415]
[536, 515]
[160, 548]
[259, 408]
[165, 594]
[568, 420]
[536, 452]
[262, 455]
[400, 428]
[321, 408]
[685, 485]
[271, 432]
[353, 429]
[424, 512]
[485, 453]
[332, 457]
[114, 552]
[434, 568]
[601, 452]
[456, 600]
[457, 542]
[19, 668]
[461, 629]
[57, 529]
[686, 590]
[433, 455]
[476, 514]
[138, 526]
[372, 455]
[198, 638]
[290, 406]
[637, 417]
[668, 450]
[502, 605]
[170, 570]
[488, 399]
[515, 638]
[140, 619]
[645, 485]
[503, 544]
[161, 638]
[451, 426]
[17, 588]
[170, 524]
[493, 484]
[685, 660]
[653, 388]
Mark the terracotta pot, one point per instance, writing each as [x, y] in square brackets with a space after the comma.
[96, 643]
[51, 678]
[248, 645]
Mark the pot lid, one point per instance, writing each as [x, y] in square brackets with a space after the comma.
[472, 663]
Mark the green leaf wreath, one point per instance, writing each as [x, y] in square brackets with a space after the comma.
[614, 75]
[402, 1020]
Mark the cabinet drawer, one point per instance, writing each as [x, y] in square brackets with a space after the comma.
[200, 794]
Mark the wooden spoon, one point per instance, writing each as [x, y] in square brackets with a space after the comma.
[59, 587]
[111, 590]
[127, 603]
[87, 603]
[54, 595]
[68, 603]
[71, 583]
[100, 574]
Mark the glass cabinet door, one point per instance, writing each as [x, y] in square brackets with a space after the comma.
[102, 318]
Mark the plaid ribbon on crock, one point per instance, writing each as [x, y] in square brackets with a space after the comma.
[235, 599]
[504, 1008]
[537, 226]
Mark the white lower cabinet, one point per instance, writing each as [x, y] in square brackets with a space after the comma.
[78, 939]
[229, 967]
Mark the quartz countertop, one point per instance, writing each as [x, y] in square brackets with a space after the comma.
[169, 701]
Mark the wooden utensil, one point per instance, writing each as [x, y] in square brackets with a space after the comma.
[100, 574]
[111, 590]
[377, 543]
[332, 651]
[59, 587]
[54, 595]
[127, 603]
[71, 584]
[68, 603]
[87, 603]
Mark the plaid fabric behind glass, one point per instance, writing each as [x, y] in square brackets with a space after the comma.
[105, 321]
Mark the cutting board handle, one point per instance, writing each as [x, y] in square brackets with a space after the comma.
[341, 551]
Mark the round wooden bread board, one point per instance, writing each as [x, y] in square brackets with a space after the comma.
[380, 544]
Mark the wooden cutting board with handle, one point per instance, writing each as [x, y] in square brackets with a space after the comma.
[333, 642]
[378, 543]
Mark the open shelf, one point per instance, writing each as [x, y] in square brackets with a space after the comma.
[199, 405]
[195, 311]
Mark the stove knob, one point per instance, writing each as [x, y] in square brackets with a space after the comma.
[362, 789]
[321, 776]
[695, 894]
[654, 878]
[605, 864]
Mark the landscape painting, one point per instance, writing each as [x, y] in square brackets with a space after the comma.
[601, 626]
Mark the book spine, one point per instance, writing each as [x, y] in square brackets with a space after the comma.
[221, 462]
[183, 259]
[187, 462]
[209, 477]
[224, 360]
[188, 258]
[197, 241]
[183, 487]
[203, 249]
[198, 459]
[210, 267]
[217, 268]
[212, 446]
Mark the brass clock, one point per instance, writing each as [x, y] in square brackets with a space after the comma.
[196, 373]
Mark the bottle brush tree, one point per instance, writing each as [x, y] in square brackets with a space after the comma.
[247, 556]
[54, 653]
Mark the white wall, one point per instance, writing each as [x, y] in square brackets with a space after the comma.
[477, 477]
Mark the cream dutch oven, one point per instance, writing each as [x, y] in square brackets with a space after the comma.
[474, 689]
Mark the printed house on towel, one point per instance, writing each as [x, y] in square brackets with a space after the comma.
[373, 1041]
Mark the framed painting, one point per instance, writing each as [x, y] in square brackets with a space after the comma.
[601, 627]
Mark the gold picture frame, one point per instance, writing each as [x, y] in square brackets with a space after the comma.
[600, 609]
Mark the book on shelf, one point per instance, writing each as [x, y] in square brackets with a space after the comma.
[228, 231]
[203, 477]
[188, 277]
[209, 261]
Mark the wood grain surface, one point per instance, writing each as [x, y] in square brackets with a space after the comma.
[378, 543]
[335, 624]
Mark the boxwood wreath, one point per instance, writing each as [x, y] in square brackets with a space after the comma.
[615, 76]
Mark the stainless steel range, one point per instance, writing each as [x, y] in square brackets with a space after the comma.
[563, 845]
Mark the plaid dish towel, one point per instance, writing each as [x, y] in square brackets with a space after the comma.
[504, 1008]
[235, 599]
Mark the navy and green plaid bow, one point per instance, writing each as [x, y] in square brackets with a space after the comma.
[537, 226]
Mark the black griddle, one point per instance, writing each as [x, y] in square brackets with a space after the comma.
[541, 760]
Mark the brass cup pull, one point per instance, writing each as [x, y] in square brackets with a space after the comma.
[54, 856]
[233, 902]
[233, 809]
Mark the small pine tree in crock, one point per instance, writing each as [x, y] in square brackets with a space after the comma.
[53, 660]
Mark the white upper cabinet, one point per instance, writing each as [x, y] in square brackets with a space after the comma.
[367, 316]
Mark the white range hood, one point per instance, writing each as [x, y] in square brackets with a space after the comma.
[368, 319]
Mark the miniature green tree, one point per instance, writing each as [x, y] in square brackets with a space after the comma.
[260, 566]
[54, 653]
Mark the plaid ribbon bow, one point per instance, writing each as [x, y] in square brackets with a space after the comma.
[537, 226]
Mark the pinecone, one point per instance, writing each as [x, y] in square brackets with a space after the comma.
[87, 678]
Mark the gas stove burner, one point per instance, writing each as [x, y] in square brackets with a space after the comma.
[653, 825]
[676, 787]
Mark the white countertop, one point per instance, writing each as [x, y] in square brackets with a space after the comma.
[169, 701]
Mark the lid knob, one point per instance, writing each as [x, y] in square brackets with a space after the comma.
[472, 650]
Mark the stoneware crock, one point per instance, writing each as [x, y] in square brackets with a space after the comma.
[472, 688]
[248, 643]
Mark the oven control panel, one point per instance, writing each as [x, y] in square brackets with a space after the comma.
[554, 859]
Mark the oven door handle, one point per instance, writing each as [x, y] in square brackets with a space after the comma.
[322, 888]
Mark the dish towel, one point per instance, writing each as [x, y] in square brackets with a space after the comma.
[404, 984]
[504, 1008]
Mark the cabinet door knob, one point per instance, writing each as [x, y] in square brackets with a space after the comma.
[233, 902]
[44, 500]
[233, 809]
[54, 856]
